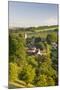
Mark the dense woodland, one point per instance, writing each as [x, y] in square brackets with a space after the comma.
[33, 70]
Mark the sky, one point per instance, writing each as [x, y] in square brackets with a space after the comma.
[27, 14]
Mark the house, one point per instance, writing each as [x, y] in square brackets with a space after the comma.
[31, 50]
[39, 52]
[34, 51]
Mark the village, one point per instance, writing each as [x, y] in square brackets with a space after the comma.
[33, 50]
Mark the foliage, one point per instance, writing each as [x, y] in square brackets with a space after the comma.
[17, 48]
[51, 38]
[31, 60]
[45, 68]
[42, 80]
[13, 71]
[39, 70]
[54, 58]
[27, 74]
[40, 45]
[45, 80]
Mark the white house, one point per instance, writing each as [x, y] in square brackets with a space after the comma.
[34, 51]
[39, 52]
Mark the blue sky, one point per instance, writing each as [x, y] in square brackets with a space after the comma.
[23, 14]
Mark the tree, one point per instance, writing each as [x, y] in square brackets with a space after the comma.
[45, 68]
[13, 71]
[12, 44]
[40, 45]
[45, 80]
[17, 52]
[37, 39]
[50, 81]
[31, 60]
[51, 38]
[27, 74]
[54, 58]
[42, 81]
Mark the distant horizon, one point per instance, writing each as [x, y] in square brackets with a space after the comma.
[29, 14]
[33, 26]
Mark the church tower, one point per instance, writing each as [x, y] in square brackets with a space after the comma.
[25, 36]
